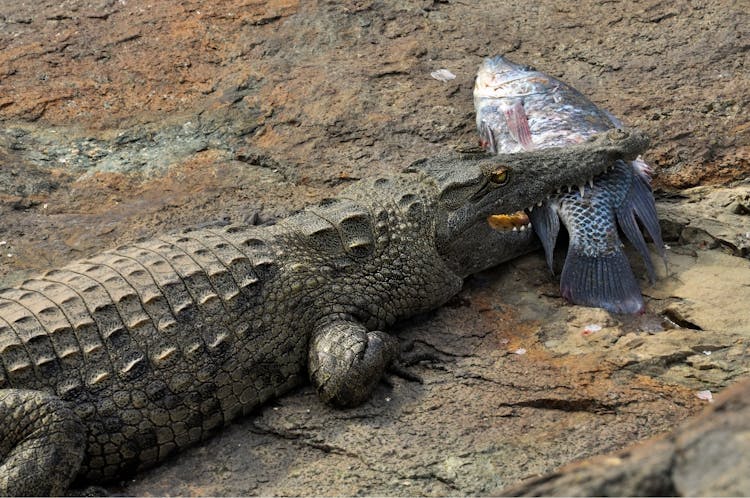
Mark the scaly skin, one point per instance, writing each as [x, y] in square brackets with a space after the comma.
[111, 364]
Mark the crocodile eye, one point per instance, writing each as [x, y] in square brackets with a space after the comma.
[499, 176]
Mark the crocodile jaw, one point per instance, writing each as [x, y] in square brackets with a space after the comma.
[518, 221]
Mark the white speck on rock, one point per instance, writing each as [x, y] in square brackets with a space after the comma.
[520, 351]
[443, 75]
[705, 395]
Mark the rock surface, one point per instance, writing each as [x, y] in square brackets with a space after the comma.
[673, 465]
[122, 119]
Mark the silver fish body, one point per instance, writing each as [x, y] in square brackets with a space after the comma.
[519, 109]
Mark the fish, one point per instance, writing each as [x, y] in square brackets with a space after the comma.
[518, 109]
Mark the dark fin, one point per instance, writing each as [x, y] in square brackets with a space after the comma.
[632, 231]
[487, 138]
[601, 282]
[640, 203]
[518, 124]
[546, 225]
[645, 209]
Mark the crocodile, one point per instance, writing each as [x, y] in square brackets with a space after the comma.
[113, 363]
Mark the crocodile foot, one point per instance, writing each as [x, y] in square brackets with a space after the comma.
[346, 360]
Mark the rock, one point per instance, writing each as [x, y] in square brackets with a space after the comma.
[712, 217]
[706, 456]
[124, 119]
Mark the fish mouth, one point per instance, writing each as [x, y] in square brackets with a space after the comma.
[516, 222]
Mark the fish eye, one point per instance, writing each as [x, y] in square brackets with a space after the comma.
[499, 176]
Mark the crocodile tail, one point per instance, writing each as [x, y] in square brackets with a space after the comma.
[602, 281]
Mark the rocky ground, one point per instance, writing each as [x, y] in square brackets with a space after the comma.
[121, 119]
[675, 464]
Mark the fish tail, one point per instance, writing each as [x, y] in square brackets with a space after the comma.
[602, 281]
[639, 203]
[546, 224]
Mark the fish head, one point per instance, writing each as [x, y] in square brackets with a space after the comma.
[501, 92]
[499, 77]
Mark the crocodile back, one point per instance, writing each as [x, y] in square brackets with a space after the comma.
[113, 315]
[158, 343]
[143, 337]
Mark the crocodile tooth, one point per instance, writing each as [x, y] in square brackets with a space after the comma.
[591, 182]
[581, 189]
[515, 229]
[523, 228]
[569, 189]
[531, 209]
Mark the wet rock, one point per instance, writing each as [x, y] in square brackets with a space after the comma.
[706, 456]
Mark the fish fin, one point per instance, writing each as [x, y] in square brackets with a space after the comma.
[604, 281]
[639, 203]
[626, 221]
[487, 138]
[518, 124]
[546, 225]
[645, 206]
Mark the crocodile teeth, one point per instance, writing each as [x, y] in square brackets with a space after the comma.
[581, 190]
[540, 202]
[508, 221]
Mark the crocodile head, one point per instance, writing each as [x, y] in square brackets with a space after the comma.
[483, 201]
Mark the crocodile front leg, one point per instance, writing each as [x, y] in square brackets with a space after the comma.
[346, 361]
[42, 443]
